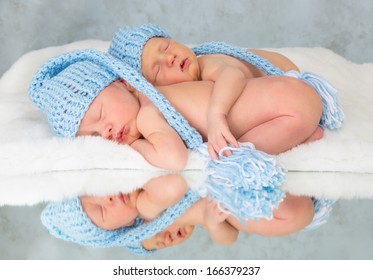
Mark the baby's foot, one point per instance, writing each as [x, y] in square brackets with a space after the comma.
[316, 135]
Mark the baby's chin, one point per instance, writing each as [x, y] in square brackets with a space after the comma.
[133, 138]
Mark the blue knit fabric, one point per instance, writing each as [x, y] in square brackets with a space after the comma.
[323, 208]
[64, 98]
[246, 184]
[128, 43]
[224, 48]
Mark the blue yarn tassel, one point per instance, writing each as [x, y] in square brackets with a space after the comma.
[332, 114]
[323, 207]
[245, 184]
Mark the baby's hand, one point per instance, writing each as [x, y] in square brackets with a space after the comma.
[219, 135]
[213, 215]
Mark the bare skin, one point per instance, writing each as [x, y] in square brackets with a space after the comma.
[171, 236]
[274, 113]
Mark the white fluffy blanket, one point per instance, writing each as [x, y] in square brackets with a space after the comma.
[36, 167]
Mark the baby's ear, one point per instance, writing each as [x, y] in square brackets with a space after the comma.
[127, 85]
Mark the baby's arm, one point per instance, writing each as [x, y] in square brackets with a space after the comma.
[220, 231]
[161, 146]
[229, 82]
[160, 193]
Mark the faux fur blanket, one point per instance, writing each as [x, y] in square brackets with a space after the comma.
[37, 167]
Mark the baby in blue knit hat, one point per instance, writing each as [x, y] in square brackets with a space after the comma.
[163, 61]
[121, 114]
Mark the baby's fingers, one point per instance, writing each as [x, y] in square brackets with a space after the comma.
[231, 139]
[220, 215]
[221, 144]
[212, 151]
[215, 145]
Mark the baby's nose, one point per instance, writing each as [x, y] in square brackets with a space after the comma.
[167, 239]
[168, 59]
[107, 132]
[109, 199]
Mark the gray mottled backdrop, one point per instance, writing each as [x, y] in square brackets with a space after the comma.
[345, 26]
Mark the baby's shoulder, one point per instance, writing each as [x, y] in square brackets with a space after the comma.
[215, 62]
[148, 114]
[215, 59]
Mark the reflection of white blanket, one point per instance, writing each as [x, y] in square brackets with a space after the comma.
[34, 166]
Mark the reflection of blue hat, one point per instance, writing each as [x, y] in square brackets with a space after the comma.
[68, 221]
[127, 43]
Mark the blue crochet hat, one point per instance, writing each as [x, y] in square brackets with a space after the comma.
[65, 86]
[68, 221]
[127, 43]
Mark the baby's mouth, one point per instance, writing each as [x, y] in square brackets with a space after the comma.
[184, 64]
[124, 198]
[122, 135]
[181, 233]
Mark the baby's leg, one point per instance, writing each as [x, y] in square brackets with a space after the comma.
[286, 114]
[293, 214]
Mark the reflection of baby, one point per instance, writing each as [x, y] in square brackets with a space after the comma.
[86, 220]
[116, 211]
